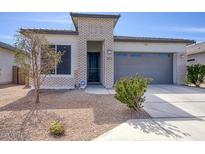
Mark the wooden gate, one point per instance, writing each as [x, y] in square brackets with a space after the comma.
[20, 76]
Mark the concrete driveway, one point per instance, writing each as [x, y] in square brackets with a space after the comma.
[178, 114]
[170, 101]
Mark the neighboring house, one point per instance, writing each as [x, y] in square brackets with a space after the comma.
[93, 55]
[196, 54]
[7, 60]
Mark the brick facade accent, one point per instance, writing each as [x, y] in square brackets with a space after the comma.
[56, 82]
[96, 29]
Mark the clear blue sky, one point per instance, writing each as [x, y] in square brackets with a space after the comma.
[171, 25]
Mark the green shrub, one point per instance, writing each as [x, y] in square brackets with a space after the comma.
[57, 128]
[196, 74]
[130, 91]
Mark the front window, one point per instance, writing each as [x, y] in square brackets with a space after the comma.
[64, 67]
[189, 60]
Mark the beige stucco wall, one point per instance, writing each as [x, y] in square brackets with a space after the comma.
[96, 29]
[178, 50]
[150, 47]
[199, 58]
[180, 64]
[6, 62]
[197, 52]
[196, 48]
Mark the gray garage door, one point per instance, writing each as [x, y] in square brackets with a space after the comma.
[158, 66]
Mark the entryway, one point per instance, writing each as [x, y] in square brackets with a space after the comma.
[94, 62]
[93, 67]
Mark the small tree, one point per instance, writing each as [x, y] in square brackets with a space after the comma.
[34, 54]
[130, 91]
[196, 74]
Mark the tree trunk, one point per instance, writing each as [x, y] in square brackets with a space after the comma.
[197, 85]
[37, 96]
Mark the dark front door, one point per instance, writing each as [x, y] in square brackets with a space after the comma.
[93, 67]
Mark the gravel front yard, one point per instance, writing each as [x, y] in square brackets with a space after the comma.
[85, 116]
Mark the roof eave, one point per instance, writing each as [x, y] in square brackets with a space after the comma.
[42, 31]
[188, 42]
[7, 46]
[76, 28]
[93, 16]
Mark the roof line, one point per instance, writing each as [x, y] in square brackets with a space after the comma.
[196, 48]
[86, 15]
[151, 39]
[7, 46]
[50, 31]
[72, 14]
[76, 28]
[116, 38]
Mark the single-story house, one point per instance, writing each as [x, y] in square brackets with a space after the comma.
[196, 54]
[94, 55]
[7, 61]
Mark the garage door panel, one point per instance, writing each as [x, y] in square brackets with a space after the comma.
[158, 66]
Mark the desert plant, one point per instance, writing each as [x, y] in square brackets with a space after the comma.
[37, 57]
[57, 128]
[196, 74]
[130, 91]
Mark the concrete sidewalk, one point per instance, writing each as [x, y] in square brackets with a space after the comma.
[99, 90]
[157, 129]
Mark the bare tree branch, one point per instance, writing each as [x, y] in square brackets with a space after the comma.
[35, 55]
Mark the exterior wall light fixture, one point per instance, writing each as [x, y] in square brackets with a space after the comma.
[109, 52]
